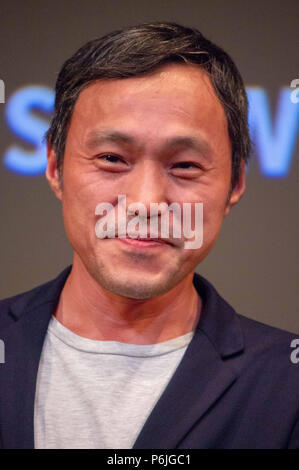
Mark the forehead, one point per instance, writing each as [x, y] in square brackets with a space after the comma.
[175, 96]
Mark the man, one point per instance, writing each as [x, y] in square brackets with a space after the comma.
[128, 347]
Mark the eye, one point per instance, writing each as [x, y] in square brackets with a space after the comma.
[111, 163]
[186, 170]
[110, 158]
[185, 165]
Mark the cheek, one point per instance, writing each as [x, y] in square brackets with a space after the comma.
[212, 220]
[213, 214]
[83, 191]
[78, 207]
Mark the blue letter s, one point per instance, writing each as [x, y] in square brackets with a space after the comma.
[29, 128]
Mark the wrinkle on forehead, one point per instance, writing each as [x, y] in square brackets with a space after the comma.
[174, 99]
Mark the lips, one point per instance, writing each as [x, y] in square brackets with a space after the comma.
[141, 242]
[149, 239]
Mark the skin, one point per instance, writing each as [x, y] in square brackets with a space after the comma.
[139, 292]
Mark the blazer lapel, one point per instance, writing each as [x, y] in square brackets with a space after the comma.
[201, 377]
[23, 345]
[23, 341]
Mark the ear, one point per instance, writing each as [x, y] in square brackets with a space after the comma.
[238, 190]
[52, 173]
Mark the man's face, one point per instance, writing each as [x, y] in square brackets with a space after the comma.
[157, 138]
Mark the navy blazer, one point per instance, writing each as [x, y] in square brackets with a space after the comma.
[236, 386]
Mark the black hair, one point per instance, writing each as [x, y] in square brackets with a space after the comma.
[140, 50]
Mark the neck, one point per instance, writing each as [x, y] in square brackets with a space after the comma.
[91, 311]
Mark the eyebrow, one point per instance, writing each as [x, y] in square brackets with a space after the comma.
[97, 137]
[193, 143]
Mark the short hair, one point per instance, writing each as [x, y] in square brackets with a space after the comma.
[140, 50]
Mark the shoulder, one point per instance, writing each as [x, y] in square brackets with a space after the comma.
[260, 337]
[22, 300]
[12, 308]
[254, 346]
[269, 365]
[257, 336]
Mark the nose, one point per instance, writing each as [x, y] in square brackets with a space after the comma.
[147, 184]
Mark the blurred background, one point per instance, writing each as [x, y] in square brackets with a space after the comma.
[254, 264]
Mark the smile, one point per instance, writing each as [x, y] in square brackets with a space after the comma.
[143, 242]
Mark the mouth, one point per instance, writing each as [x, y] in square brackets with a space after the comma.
[140, 242]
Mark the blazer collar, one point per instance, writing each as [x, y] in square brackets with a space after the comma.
[23, 341]
[201, 377]
[218, 320]
[41, 295]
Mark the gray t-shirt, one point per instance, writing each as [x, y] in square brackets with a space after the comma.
[98, 394]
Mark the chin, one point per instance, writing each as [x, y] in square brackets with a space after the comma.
[136, 287]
